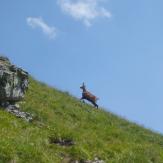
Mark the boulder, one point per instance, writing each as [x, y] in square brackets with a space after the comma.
[13, 81]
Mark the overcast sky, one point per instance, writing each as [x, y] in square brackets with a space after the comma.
[114, 46]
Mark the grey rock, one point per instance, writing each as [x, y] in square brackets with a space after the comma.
[96, 160]
[13, 85]
[13, 81]
[14, 109]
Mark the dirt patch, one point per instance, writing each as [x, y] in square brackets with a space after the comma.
[62, 142]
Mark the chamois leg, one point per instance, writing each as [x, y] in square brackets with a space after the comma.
[95, 104]
[82, 99]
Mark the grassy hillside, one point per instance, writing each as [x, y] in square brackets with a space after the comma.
[59, 116]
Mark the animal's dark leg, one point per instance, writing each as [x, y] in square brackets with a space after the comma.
[95, 104]
[82, 99]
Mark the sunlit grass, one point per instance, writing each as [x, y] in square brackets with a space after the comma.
[58, 115]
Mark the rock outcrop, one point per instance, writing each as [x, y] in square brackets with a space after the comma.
[13, 85]
[13, 81]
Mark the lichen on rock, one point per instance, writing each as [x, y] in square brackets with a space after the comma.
[13, 85]
[13, 81]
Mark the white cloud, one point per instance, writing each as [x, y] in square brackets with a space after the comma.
[84, 10]
[36, 22]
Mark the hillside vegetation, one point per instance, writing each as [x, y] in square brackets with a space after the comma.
[91, 132]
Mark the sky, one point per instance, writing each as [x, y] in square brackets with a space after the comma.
[114, 46]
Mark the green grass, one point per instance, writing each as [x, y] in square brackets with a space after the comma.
[58, 115]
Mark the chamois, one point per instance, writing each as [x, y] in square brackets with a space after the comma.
[88, 96]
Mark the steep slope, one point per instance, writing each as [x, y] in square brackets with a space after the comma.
[64, 130]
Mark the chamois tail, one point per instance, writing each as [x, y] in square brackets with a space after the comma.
[97, 98]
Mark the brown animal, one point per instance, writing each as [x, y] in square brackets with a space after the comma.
[88, 96]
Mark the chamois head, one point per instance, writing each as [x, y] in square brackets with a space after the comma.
[83, 87]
